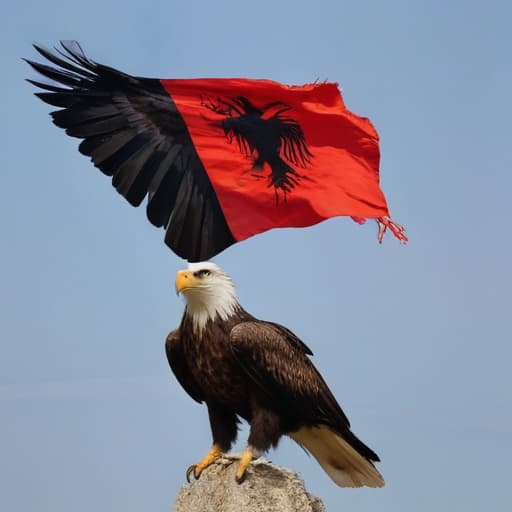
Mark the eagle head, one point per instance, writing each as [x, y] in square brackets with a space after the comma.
[209, 293]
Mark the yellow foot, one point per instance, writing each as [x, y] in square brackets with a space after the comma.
[245, 460]
[210, 458]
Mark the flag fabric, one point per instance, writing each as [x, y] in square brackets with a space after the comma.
[338, 176]
[220, 160]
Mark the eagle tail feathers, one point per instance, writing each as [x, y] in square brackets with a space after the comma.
[339, 459]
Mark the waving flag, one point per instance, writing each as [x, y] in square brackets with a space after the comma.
[219, 160]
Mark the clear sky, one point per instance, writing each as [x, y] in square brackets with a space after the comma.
[414, 341]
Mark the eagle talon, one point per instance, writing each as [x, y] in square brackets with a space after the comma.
[240, 478]
[210, 458]
[245, 460]
[192, 470]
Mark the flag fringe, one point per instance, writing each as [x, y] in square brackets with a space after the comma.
[384, 223]
[397, 230]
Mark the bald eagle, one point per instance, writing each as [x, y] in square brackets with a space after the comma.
[242, 367]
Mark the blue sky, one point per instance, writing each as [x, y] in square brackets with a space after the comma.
[414, 341]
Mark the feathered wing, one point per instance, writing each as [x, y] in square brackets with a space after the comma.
[178, 364]
[277, 361]
[133, 131]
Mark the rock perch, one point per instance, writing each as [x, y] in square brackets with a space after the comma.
[267, 488]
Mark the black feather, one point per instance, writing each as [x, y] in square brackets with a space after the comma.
[65, 64]
[133, 131]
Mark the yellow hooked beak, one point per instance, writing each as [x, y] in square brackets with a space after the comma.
[185, 279]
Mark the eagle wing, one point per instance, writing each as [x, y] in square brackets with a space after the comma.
[133, 131]
[293, 142]
[277, 362]
[179, 366]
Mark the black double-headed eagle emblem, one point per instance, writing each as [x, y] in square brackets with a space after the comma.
[266, 135]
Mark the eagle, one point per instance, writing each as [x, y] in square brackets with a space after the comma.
[261, 372]
[266, 132]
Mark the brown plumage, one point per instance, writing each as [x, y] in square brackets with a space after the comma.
[260, 371]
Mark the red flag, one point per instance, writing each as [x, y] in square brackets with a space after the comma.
[219, 160]
[338, 173]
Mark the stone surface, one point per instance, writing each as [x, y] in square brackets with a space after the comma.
[267, 488]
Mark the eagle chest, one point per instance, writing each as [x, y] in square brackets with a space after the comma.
[214, 367]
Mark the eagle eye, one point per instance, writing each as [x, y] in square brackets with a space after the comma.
[202, 273]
